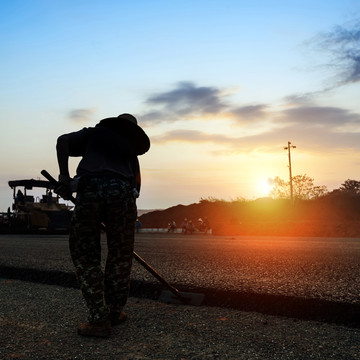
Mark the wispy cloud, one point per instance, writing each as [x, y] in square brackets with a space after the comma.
[263, 126]
[299, 119]
[343, 46]
[188, 96]
[319, 116]
[81, 115]
[188, 101]
[185, 101]
[194, 136]
[249, 113]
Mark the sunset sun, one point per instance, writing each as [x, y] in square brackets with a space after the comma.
[264, 187]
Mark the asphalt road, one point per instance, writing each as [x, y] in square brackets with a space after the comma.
[325, 268]
[319, 268]
[249, 279]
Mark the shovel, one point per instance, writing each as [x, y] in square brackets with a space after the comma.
[170, 296]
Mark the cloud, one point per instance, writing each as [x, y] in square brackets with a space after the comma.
[186, 100]
[189, 101]
[80, 115]
[193, 136]
[224, 144]
[312, 126]
[188, 96]
[249, 113]
[300, 99]
[343, 45]
[250, 127]
[154, 117]
[316, 116]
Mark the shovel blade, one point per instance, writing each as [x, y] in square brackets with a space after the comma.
[168, 297]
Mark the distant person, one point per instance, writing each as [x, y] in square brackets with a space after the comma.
[20, 198]
[190, 228]
[138, 225]
[50, 198]
[184, 225]
[108, 183]
[200, 224]
[172, 226]
[206, 225]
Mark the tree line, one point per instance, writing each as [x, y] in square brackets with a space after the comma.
[304, 188]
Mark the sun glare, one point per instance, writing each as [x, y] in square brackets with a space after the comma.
[264, 187]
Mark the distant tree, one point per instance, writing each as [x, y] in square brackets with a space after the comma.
[351, 187]
[319, 191]
[280, 189]
[303, 188]
[210, 199]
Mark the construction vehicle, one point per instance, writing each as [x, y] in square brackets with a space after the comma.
[32, 213]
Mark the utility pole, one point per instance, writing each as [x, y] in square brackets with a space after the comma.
[288, 148]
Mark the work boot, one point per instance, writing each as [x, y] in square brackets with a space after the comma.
[118, 318]
[100, 328]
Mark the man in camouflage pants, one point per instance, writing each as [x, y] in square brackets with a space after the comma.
[108, 183]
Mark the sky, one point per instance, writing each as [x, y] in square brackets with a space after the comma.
[219, 86]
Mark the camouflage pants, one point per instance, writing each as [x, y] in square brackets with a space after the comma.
[108, 201]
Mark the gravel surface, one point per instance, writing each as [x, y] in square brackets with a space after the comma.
[317, 268]
[38, 322]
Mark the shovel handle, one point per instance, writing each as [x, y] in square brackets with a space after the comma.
[149, 268]
[53, 181]
[49, 177]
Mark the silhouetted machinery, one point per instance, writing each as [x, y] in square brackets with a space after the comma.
[36, 213]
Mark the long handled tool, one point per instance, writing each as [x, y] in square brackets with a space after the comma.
[173, 296]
